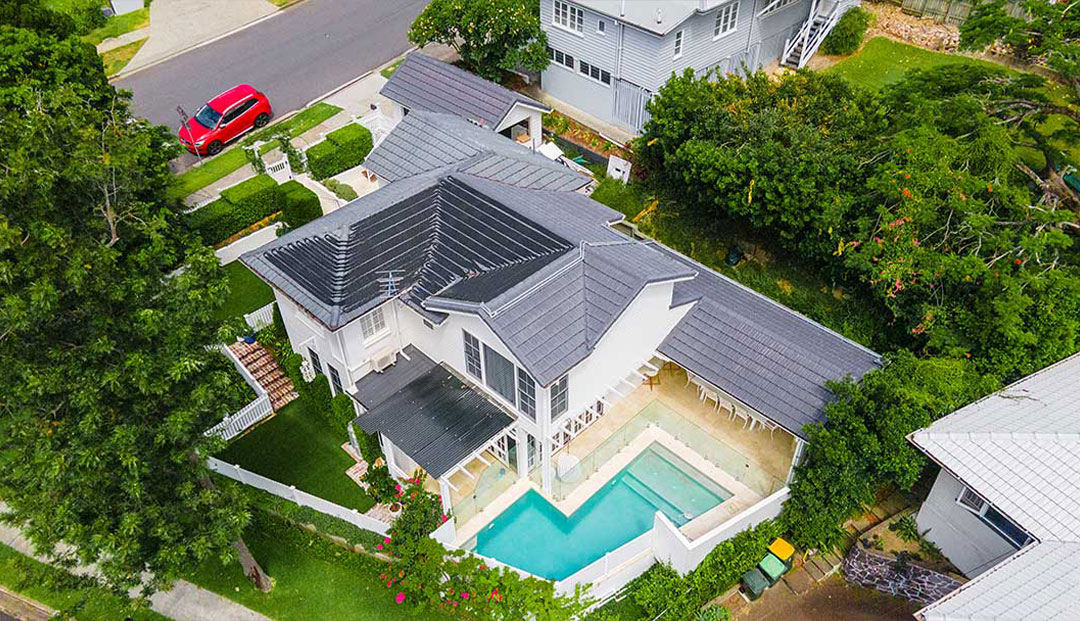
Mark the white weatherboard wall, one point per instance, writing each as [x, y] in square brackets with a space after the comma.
[969, 543]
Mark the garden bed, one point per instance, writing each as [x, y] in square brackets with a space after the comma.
[898, 536]
[570, 130]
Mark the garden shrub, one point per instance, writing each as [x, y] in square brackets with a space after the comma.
[343, 149]
[661, 588]
[238, 208]
[370, 449]
[343, 191]
[847, 35]
[317, 395]
[302, 516]
[381, 486]
[299, 205]
[341, 412]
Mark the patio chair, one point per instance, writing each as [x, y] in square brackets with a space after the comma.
[771, 426]
[707, 394]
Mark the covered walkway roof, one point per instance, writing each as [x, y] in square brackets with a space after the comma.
[437, 420]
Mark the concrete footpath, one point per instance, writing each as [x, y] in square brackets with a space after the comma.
[185, 601]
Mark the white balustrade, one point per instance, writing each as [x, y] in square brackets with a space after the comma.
[245, 417]
[260, 318]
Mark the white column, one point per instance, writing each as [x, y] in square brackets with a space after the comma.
[388, 451]
[444, 491]
[545, 463]
[522, 449]
[800, 446]
[536, 130]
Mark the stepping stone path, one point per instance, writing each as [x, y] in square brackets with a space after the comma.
[267, 372]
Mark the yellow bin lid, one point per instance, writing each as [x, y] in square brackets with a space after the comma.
[782, 549]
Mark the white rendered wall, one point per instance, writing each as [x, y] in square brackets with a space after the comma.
[968, 542]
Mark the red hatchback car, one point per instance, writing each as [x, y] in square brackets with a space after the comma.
[224, 118]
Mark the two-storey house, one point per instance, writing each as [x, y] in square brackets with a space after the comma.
[608, 57]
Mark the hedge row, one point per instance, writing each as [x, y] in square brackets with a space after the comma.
[238, 208]
[662, 588]
[343, 149]
[249, 202]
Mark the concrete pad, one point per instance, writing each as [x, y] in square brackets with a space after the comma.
[178, 25]
[799, 581]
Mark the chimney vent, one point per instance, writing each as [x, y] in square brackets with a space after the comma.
[659, 17]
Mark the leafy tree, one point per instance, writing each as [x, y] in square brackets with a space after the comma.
[1050, 35]
[491, 36]
[864, 443]
[107, 381]
[32, 15]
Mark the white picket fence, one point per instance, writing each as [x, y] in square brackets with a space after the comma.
[302, 498]
[261, 318]
[247, 416]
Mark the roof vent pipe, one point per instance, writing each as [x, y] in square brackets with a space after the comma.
[659, 17]
[622, 9]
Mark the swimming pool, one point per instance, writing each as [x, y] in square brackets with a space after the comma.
[535, 536]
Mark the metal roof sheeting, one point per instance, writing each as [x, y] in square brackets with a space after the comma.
[1041, 582]
[437, 420]
[424, 83]
[425, 141]
[374, 388]
[1019, 449]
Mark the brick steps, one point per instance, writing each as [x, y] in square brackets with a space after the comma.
[267, 372]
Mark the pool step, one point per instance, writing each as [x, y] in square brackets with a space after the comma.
[653, 498]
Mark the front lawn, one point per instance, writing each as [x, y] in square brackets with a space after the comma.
[246, 292]
[57, 589]
[118, 25]
[313, 579]
[298, 447]
[117, 58]
[883, 61]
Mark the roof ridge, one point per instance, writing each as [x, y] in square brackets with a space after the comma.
[998, 435]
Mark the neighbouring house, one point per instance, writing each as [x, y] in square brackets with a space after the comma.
[1005, 508]
[585, 403]
[424, 141]
[609, 57]
[425, 83]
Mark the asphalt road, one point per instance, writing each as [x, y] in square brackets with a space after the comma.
[293, 57]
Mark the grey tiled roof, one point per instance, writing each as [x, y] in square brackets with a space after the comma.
[758, 351]
[424, 83]
[426, 141]
[437, 420]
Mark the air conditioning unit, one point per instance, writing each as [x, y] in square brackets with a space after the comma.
[383, 361]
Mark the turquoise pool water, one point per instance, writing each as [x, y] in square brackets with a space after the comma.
[535, 536]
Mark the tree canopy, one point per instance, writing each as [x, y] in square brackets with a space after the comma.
[491, 36]
[107, 382]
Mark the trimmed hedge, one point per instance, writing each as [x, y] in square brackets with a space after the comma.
[847, 35]
[343, 149]
[299, 205]
[238, 208]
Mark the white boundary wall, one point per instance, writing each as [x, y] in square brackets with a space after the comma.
[304, 499]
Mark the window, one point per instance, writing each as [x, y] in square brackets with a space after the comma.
[316, 363]
[526, 394]
[472, 355]
[235, 113]
[992, 517]
[372, 323]
[335, 380]
[559, 392]
[569, 17]
[725, 19]
[678, 44]
[601, 27]
[499, 374]
[595, 72]
[561, 58]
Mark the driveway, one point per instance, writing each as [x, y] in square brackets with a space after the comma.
[293, 57]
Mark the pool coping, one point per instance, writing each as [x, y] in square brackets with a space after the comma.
[741, 499]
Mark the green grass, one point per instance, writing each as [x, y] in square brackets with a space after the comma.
[34, 579]
[247, 292]
[118, 57]
[313, 579]
[298, 447]
[118, 25]
[389, 70]
[884, 61]
[212, 169]
[296, 125]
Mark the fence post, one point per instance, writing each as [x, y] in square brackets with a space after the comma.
[239, 473]
[295, 498]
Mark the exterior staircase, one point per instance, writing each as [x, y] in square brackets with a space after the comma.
[262, 365]
[824, 14]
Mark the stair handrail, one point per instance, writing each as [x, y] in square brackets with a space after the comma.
[837, 12]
